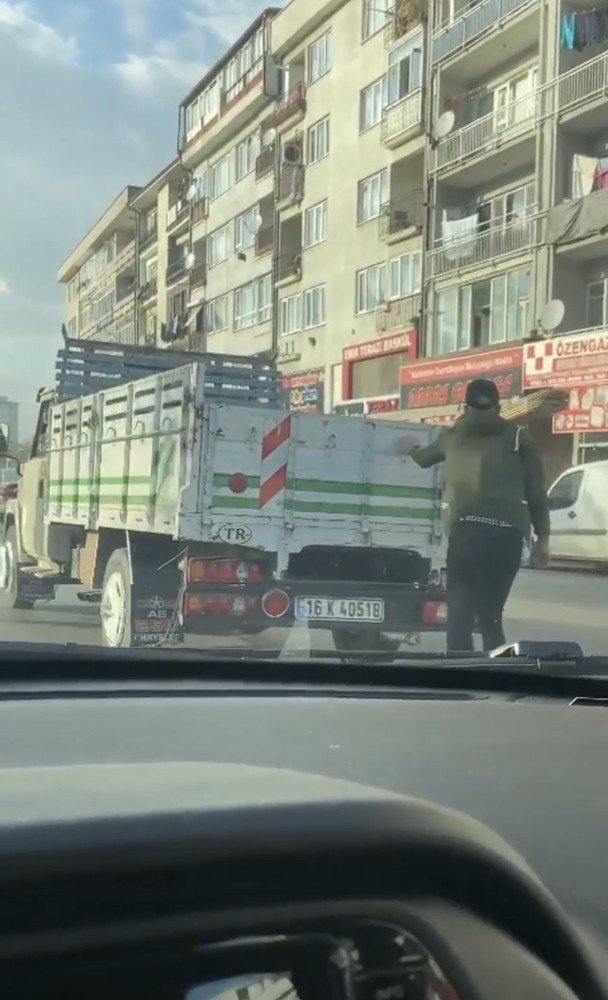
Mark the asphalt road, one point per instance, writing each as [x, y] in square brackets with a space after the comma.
[556, 604]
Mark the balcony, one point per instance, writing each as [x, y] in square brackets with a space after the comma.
[579, 228]
[490, 246]
[200, 210]
[399, 314]
[264, 241]
[477, 20]
[148, 238]
[264, 163]
[583, 92]
[178, 216]
[402, 121]
[289, 268]
[495, 144]
[289, 109]
[175, 270]
[291, 184]
[402, 217]
[148, 290]
[198, 274]
[406, 15]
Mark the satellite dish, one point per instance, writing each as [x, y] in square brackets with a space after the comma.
[189, 260]
[191, 192]
[269, 136]
[552, 315]
[444, 125]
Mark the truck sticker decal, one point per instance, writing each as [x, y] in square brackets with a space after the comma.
[275, 452]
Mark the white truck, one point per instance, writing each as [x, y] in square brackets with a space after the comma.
[187, 499]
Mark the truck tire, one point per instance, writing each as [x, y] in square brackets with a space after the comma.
[116, 604]
[10, 577]
[350, 643]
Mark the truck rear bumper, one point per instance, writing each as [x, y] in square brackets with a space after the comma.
[370, 608]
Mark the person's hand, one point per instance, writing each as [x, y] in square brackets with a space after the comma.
[541, 556]
[408, 445]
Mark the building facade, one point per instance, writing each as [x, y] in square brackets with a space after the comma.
[392, 198]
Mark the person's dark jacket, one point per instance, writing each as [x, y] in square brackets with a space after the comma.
[492, 470]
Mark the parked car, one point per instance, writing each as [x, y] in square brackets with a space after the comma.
[578, 500]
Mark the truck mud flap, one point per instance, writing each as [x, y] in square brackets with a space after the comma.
[156, 603]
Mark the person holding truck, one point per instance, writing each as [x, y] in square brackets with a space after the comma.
[495, 489]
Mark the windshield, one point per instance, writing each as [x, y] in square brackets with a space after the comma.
[325, 367]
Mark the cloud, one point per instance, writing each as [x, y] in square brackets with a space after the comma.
[163, 68]
[19, 22]
[5, 288]
[225, 20]
[136, 18]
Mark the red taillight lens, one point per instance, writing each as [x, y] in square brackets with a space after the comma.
[224, 571]
[218, 605]
[275, 603]
[434, 613]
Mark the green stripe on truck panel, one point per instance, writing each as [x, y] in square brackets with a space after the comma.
[104, 481]
[362, 489]
[369, 510]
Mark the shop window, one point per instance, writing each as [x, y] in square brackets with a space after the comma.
[376, 376]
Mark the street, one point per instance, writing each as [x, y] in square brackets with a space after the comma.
[556, 604]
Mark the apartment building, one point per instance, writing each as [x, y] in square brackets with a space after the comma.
[100, 279]
[516, 210]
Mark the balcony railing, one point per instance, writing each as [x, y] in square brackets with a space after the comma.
[264, 163]
[176, 269]
[148, 290]
[200, 210]
[401, 118]
[291, 182]
[178, 213]
[401, 215]
[264, 241]
[583, 83]
[294, 103]
[491, 245]
[513, 120]
[147, 238]
[399, 314]
[290, 266]
[474, 22]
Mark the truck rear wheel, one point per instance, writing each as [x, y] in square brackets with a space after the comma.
[10, 577]
[355, 645]
[116, 610]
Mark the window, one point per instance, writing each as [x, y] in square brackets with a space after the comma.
[318, 140]
[371, 104]
[218, 246]
[370, 288]
[291, 314]
[404, 71]
[314, 306]
[319, 57]
[216, 314]
[486, 312]
[73, 290]
[246, 154]
[376, 15]
[253, 303]
[245, 228]
[219, 176]
[596, 303]
[405, 274]
[371, 196]
[315, 224]
[515, 101]
[564, 493]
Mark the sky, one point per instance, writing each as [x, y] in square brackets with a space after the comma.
[88, 104]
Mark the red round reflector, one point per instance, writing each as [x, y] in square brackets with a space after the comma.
[275, 603]
[237, 482]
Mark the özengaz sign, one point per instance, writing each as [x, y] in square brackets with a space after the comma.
[574, 359]
[443, 382]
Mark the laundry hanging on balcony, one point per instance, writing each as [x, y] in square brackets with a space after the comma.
[583, 29]
[589, 173]
[458, 236]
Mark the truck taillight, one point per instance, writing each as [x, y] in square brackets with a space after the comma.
[275, 603]
[219, 605]
[224, 571]
[434, 613]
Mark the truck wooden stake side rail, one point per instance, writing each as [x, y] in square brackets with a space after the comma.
[180, 493]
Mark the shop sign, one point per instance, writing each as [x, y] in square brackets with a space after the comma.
[443, 381]
[398, 343]
[306, 392]
[368, 407]
[586, 413]
[574, 359]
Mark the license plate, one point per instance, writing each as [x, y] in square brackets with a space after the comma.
[339, 609]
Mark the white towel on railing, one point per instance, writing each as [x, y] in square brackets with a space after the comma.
[458, 236]
[583, 174]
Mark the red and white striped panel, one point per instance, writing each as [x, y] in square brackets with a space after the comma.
[275, 452]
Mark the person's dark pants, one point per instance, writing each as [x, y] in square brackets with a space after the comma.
[482, 564]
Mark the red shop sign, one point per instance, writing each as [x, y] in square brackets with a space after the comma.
[443, 381]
